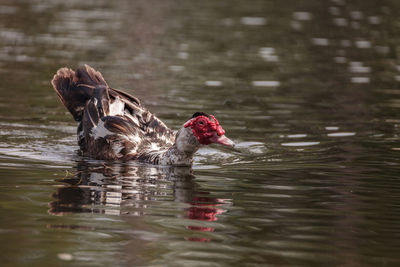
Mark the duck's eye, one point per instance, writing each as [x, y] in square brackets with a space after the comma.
[201, 123]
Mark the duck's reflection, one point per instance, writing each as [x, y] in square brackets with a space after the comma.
[204, 208]
[126, 189]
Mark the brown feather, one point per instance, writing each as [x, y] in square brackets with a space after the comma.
[75, 88]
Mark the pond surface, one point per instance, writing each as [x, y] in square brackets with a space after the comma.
[309, 91]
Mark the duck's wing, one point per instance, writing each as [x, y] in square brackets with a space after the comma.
[112, 124]
[131, 107]
[116, 126]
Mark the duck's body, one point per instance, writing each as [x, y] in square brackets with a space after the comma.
[114, 125]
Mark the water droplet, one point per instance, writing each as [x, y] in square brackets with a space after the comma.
[213, 83]
[267, 53]
[355, 25]
[374, 20]
[300, 144]
[356, 15]
[363, 44]
[65, 256]
[7, 9]
[227, 22]
[334, 11]
[271, 58]
[359, 69]
[342, 134]
[341, 22]
[137, 76]
[340, 59]
[345, 43]
[297, 135]
[176, 68]
[360, 79]
[253, 21]
[184, 46]
[320, 41]
[296, 25]
[382, 49]
[267, 50]
[301, 15]
[355, 63]
[183, 55]
[339, 2]
[266, 83]
[331, 128]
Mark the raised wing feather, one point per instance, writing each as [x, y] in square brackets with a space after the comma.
[113, 124]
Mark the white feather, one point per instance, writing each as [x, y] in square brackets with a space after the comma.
[133, 118]
[80, 134]
[134, 138]
[117, 107]
[100, 130]
[117, 147]
[154, 146]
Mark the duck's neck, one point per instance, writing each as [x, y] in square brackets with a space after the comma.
[181, 153]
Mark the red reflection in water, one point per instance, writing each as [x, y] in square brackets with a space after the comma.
[204, 209]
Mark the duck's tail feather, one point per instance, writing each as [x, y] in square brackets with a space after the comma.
[75, 88]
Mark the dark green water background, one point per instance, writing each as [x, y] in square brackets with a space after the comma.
[309, 91]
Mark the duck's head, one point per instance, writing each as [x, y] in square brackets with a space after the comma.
[207, 130]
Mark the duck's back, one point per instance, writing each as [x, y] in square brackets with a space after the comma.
[111, 124]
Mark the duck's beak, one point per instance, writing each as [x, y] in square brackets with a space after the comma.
[223, 140]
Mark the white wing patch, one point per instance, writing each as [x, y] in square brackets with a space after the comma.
[134, 138]
[117, 147]
[154, 146]
[100, 131]
[117, 107]
[133, 118]
[81, 133]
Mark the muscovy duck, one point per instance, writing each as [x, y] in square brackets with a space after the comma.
[114, 125]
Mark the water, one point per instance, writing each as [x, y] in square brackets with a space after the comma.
[309, 91]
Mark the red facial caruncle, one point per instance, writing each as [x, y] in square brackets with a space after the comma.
[207, 130]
